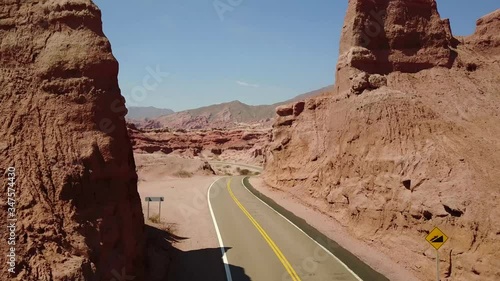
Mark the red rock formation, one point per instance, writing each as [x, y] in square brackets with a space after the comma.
[284, 110]
[417, 148]
[78, 211]
[486, 39]
[231, 115]
[195, 142]
[382, 36]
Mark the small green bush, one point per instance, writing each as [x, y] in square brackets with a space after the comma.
[244, 172]
[155, 219]
[184, 174]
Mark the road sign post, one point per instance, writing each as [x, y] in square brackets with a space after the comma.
[155, 199]
[437, 265]
[436, 238]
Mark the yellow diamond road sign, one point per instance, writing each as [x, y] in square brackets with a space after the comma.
[436, 238]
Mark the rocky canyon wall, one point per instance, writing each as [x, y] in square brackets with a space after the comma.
[408, 141]
[382, 36]
[77, 208]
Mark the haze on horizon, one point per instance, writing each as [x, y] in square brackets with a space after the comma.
[257, 52]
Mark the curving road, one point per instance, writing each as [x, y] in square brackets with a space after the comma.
[267, 246]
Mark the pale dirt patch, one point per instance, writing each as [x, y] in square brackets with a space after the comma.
[193, 251]
[159, 166]
[185, 209]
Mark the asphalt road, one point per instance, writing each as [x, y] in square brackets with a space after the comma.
[262, 244]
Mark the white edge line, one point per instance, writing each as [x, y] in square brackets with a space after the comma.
[219, 237]
[326, 250]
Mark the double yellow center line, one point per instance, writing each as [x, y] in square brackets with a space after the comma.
[266, 237]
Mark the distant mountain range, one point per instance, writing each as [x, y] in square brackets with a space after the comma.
[225, 115]
[147, 112]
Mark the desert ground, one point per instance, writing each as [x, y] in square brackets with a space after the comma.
[192, 246]
[185, 216]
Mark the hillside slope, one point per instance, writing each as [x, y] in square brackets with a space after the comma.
[224, 115]
[217, 116]
[146, 112]
[409, 139]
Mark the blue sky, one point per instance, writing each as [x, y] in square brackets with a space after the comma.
[255, 51]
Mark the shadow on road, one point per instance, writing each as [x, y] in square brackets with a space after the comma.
[204, 264]
[164, 262]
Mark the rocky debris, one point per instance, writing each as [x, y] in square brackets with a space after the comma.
[364, 81]
[376, 81]
[360, 83]
[78, 212]
[202, 143]
[417, 153]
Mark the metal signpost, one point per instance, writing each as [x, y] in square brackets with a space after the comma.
[436, 238]
[155, 199]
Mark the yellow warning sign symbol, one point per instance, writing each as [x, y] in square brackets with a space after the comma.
[436, 238]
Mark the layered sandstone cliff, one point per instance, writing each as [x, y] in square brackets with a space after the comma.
[77, 208]
[408, 141]
[244, 146]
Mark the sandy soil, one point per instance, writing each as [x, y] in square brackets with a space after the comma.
[193, 252]
[331, 228]
[159, 166]
[185, 209]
